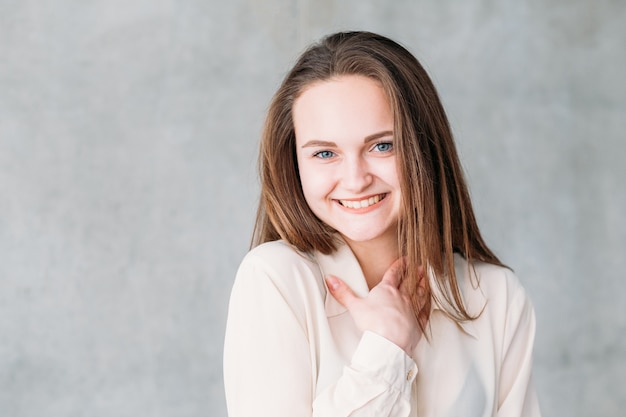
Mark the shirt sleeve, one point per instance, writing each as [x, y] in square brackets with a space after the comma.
[517, 396]
[267, 361]
[377, 382]
[267, 369]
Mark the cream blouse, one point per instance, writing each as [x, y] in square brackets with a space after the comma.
[291, 350]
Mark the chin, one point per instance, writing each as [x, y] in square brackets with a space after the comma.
[366, 236]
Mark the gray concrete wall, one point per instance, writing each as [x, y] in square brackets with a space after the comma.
[128, 133]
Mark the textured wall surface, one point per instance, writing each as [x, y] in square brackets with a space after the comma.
[128, 134]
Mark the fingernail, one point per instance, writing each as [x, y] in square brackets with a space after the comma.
[332, 282]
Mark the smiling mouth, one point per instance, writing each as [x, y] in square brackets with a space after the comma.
[366, 202]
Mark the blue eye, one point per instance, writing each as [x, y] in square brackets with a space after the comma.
[383, 147]
[324, 154]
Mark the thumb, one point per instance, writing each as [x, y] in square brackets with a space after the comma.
[341, 291]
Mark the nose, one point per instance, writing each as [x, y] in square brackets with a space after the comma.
[356, 175]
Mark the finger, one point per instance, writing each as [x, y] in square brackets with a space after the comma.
[341, 291]
[423, 285]
[417, 283]
[393, 275]
[422, 277]
[424, 314]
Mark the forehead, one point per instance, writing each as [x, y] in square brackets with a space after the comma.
[349, 106]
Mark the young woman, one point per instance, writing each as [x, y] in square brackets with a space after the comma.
[370, 291]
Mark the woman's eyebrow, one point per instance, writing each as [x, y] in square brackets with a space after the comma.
[325, 143]
[378, 135]
[315, 142]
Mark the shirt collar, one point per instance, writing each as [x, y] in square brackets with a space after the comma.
[343, 264]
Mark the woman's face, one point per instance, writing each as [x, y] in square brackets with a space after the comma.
[346, 157]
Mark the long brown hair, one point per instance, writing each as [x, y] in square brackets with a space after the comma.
[437, 218]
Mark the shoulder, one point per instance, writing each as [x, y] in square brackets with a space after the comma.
[277, 257]
[279, 265]
[499, 279]
[494, 287]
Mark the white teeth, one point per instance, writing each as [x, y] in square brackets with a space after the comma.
[362, 203]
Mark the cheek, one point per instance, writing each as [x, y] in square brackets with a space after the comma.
[316, 185]
[390, 174]
[392, 178]
[311, 187]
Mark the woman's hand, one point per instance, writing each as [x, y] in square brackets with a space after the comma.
[386, 310]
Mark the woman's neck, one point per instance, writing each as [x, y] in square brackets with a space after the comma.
[375, 257]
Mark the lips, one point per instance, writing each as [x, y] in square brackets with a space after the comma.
[366, 202]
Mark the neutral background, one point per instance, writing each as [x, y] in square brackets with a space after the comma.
[128, 138]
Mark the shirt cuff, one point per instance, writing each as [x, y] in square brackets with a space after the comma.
[386, 360]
